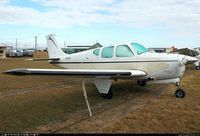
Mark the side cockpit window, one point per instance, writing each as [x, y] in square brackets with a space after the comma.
[96, 52]
[123, 51]
[107, 52]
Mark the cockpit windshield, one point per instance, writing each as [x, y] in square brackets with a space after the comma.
[139, 48]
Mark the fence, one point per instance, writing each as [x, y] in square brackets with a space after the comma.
[36, 43]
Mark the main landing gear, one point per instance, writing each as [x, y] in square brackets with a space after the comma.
[109, 95]
[141, 82]
[197, 67]
[179, 93]
[144, 81]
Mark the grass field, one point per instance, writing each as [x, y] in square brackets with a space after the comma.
[55, 104]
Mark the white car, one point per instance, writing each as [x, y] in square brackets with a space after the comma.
[198, 62]
[15, 53]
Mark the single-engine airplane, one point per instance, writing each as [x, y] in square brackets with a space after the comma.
[132, 61]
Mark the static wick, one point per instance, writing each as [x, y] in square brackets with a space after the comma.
[86, 98]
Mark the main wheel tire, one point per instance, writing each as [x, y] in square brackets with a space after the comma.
[109, 95]
[180, 93]
[197, 67]
[141, 82]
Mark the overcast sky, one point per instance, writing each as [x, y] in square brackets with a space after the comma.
[153, 23]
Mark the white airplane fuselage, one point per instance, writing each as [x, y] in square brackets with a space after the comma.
[156, 65]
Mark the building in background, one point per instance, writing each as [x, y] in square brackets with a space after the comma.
[197, 49]
[186, 51]
[3, 50]
[163, 50]
[79, 48]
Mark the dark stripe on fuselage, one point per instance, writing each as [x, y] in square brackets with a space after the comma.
[57, 62]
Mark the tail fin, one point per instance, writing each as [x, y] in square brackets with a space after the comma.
[54, 50]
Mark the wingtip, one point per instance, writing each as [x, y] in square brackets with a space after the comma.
[8, 72]
[20, 71]
[5, 72]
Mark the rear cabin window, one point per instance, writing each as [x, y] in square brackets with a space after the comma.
[123, 51]
[96, 52]
[107, 52]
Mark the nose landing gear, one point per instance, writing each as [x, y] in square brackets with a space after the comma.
[179, 93]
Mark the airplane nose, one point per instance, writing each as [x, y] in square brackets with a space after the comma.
[188, 60]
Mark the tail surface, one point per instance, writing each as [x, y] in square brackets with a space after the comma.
[54, 51]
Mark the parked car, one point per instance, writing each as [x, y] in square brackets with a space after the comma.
[15, 53]
[28, 53]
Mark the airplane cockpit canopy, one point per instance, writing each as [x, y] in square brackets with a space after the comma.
[120, 50]
[139, 48]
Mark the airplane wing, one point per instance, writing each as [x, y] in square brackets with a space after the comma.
[76, 72]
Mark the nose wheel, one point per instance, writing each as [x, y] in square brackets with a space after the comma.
[179, 93]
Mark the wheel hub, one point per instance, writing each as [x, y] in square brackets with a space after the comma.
[179, 94]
